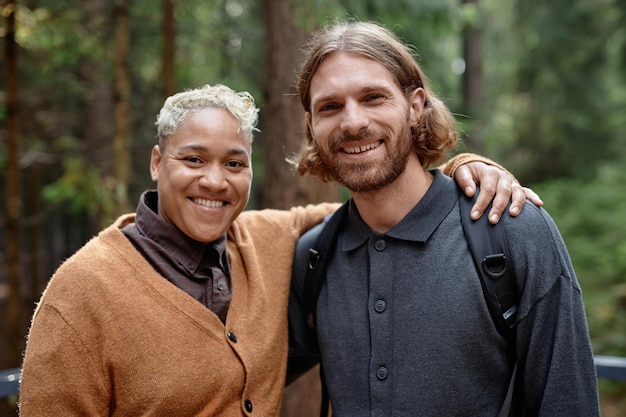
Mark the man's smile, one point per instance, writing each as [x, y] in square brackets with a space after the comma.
[362, 148]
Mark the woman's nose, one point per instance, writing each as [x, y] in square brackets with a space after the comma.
[213, 177]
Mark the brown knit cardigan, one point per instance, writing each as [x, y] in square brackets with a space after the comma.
[111, 337]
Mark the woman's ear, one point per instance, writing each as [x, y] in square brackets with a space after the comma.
[155, 160]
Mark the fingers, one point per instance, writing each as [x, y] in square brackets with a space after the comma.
[533, 196]
[493, 186]
[497, 187]
[518, 198]
[503, 193]
[463, 177]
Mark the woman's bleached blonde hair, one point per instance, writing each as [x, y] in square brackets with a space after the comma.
[435, 132]
[179, 106]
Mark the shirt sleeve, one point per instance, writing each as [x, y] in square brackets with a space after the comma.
[59, 376]
[449, 168]
[553, 347]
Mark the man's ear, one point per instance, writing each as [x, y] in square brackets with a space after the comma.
[416, 99]
[309, 127]
[155, 160]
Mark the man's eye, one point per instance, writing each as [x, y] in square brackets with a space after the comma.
[328, 107]
[374, 97]
[193, 159]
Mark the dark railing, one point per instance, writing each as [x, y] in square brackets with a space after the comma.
[9, 382]
[610, 367]
[607, 367]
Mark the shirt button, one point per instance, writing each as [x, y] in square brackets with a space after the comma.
[248, 405]
[231, 336]
[382, 373]
[220, 286]
[380, 245]
[380, 306]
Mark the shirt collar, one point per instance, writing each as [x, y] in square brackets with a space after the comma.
[417, 226]
[187, 251]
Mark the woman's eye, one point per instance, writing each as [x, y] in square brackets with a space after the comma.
[234, 164]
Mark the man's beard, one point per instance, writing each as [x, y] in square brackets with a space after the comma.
[364, 176]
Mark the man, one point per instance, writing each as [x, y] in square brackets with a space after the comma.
[402, 324]
[181, 308]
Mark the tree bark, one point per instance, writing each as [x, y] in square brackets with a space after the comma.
[95, 77]
[283, 117]
[121, 147]
[168, 54]
[12, 199]
[473, 81]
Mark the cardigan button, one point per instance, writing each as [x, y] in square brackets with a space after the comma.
[248, 405]
[231, 336]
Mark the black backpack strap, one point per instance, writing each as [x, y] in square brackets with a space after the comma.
[487, 243]
[319, 257]
[318, 261]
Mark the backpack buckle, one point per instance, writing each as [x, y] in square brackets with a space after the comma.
[495, 265]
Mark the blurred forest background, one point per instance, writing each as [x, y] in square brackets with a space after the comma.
[537, 85]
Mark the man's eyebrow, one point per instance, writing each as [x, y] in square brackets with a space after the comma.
[324, 98]
[376, 89]
[365, 90]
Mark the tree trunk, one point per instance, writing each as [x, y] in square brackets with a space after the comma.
[283, 117]
[121, 147]
[282, 121]
[473, 80]
[96, 82]
[168, 57]
[34, 234]
[12, 199]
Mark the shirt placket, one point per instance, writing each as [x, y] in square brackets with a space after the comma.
[381, 328]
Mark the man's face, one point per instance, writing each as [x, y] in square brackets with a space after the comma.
[204, 174]
[361, 120]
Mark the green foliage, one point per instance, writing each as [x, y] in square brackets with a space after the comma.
[554, 95]
[554, 86]
[81, 189]
[590, 216]
[221, 42]
[56, 29]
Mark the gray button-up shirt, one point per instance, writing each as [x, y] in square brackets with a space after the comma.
[404, 329]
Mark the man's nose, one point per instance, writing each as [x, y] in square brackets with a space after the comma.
[354, 119]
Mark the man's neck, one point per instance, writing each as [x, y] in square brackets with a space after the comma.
[382, 209]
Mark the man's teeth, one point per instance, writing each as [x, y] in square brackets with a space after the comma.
[359, 149]
[208, 203]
